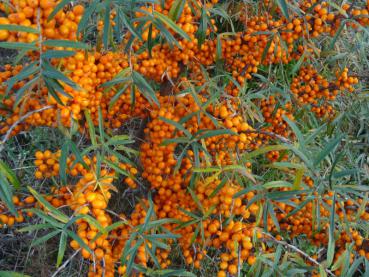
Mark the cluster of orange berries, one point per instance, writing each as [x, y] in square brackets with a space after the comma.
[9, 220]
[313, 89]
[273, 114]
[47, 164]
[35, 14]
[89, 72]
[88, 195]
[159, 163]
[165, 62]
[301, 222]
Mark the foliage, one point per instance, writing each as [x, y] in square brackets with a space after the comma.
[185, 137]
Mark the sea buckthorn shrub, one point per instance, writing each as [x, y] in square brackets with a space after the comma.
[240, 155]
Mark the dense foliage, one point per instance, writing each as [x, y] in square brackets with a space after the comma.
[185, 137]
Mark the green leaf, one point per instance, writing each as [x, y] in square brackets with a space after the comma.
[57, 54]
[22, 90]
[93, 222]
[214, 133]
[6, 194]
[45, 238]
[166, 33]
[54, 224]
[331, 242]
[297, 66]
[172, 272]
[150, 40]
[145, 88]
[77, 154]
[27, 71]
[277, 184]
[354, 266]
[52, 91]
[128, 24]
[273, 216]
[79, 240]
[66, 44]
[91, 127]
[282, 4]
[149, 214]
[116, 96]
[10, 175]
[315, 133]
[338, 33]
[298, 178]
[63, 162]
[219, 48]
[295, 130]
[177, 125]
[331, 145]
[322, 272]
[264, 150]
[201, 32]
[218, 188]
[18, 28]
[18, 45]
[12, 274]
[58, 8]
[31, 228]
[54, 212]
[266, 49]
[176, 9]
[106, 30]
[166, 20]
[62, 247]
[50, 72]
[196, 199]
[87, 15]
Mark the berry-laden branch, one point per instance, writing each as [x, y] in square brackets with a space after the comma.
[16, 123]
[270, 134]
[294, 248]
[66, 263]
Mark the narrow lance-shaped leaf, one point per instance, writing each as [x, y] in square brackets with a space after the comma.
[61, 249]
[57, 54]
[45, 238]
[63, 163]
[18, 28]
[18, 45]
[66, 44]
[176, 9]
[54, 212]
[331, 240]
[284, 9]
[12, 274]
[58, 8]
[9, 173]
[22, 90]
[6, 194]
[145, 88]
[327, 149]
[128, 25]
[296, 130]
[91, 127]
[106, 31]
[87, 15]
[167, 21]
[176, 124]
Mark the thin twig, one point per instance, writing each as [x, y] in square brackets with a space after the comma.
[15, 124]
[270, 134]
[65, 263]
[302, 253]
